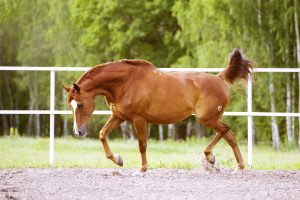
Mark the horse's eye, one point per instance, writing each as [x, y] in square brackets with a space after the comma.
[80, 105]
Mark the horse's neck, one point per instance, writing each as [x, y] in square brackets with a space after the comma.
[107, 81]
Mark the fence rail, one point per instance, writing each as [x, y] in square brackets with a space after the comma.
[52, 112]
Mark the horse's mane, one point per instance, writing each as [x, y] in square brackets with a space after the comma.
[97, 68]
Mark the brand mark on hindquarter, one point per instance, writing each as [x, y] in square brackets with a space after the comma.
[219, 108]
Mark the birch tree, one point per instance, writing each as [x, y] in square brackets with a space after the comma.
[286, 46]
[297, 41]
[171, 131]
[275, 131]
[161, 132]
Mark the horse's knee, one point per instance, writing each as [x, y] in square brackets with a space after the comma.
[102, 136]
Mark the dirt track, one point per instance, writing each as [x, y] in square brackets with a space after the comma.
[156, 184]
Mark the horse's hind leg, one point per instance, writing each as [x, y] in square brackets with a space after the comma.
[230, 139]
[112, 122]
[220, 128]
[223, 130]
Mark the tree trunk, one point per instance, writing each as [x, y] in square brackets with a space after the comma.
[65, 126]
[161, 132]
[272, 54]
[31, 106]
[299, 111]
[17, 120]
[9, 92]
[127, 130]
[171, 131]
[298, 55]
[131, 131]
[275, 131]
[4, 119]
[65, 116]
[37, 116]
[253, 132]
[189, 127]
[181, 131]
[29, 123]
[293, 101]
[199, 130]
[124, 132]
[259, 15]
[37, 126]
[259, 22]
[289, 131]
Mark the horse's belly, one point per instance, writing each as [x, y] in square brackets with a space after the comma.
[167, 116]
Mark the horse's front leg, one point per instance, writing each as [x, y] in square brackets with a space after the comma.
[140, 126]
[112, 122]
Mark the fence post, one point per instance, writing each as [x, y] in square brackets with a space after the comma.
[250, 119]
[52, 116]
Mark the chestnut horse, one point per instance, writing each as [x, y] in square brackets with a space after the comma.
[138, 92]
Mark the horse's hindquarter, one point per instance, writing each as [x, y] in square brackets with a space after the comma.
[214, 96]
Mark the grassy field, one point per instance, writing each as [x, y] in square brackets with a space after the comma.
[18, 152]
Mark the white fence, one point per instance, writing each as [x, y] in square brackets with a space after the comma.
[52, 112]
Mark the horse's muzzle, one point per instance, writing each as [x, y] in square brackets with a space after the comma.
[81, 132]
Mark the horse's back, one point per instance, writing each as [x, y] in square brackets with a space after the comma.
[168, 97]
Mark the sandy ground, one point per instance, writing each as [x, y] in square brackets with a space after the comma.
[78, 183]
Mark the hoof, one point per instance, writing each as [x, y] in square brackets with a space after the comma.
[210, 165]
[238, 170]
[117, 173]
[211, 159]
[119, 160]
[139, 173]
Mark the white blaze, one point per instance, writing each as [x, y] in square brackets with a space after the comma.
[74, 106]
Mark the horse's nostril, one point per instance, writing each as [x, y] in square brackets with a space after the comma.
[80, 133]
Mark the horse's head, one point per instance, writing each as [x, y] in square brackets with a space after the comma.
[82, 106]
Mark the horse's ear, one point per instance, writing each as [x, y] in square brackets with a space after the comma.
[67, 89]
[76, 87]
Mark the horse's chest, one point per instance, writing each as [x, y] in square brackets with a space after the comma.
[114, 108]
[118, 111]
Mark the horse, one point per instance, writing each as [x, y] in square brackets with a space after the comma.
[138, 92]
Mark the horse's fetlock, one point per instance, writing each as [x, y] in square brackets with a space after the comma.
[109, 156]
[144, 168]
[207, 153]
[241, 166]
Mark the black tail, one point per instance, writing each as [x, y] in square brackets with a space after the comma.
[237, 68]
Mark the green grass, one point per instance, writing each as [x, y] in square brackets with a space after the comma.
[18, 152]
